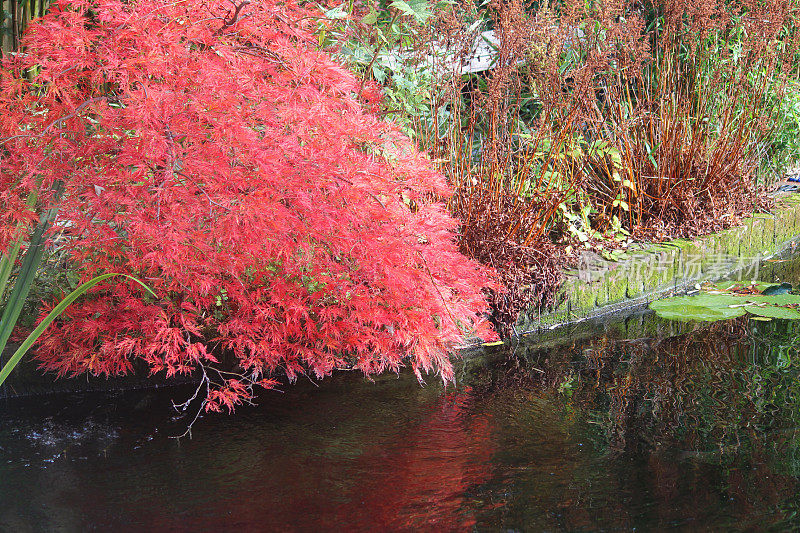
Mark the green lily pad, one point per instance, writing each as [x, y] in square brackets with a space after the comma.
[776, 299]
[702, 299]
[772, 311]
[700, 307]
[712, 306]
[696, 313]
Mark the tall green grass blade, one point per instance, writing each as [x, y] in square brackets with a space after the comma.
[10, 257]
[57, 310]
[7, 265]
[25, 277]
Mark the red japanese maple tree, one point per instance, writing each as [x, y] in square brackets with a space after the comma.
[207, 148]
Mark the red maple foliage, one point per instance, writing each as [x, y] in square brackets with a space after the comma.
[210, 150]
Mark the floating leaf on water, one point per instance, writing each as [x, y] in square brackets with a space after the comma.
[700, 307]
[698, 313]
[495, 343]
[782, 300]
[702, 299]
[772, 311]
[729, 300]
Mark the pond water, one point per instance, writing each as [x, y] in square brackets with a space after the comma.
[629, 424]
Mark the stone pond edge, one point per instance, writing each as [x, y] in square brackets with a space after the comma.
[600, 287]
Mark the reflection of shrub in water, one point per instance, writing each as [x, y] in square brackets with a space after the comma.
[706, 388]
[714, 388]
[717, 403]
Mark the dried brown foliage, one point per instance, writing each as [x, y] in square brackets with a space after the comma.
[530, 272]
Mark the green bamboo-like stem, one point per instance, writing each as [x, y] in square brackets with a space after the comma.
[15, 15]
[15, 24]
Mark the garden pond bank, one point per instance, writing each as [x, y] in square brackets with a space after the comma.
[626, 423]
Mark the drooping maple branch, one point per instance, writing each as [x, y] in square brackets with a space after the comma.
[55, 122]
[182, 407]
[234, 17]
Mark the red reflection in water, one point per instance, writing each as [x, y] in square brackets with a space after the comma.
[426, 482]
[398, 475]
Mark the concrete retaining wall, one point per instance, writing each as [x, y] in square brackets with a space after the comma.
[600, 286]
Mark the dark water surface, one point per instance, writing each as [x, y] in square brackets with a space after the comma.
[640, 425]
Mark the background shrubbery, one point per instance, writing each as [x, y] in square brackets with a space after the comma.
[597, 121]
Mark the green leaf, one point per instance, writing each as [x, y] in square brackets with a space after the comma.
[701, 307]
[474, 26]
[27, 273]
[417, 9]
[336, 13]
[57, 310]
[370, 18]
[771, 311]
[775, 299]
